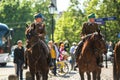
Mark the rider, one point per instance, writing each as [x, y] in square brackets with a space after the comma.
[39, 28]
[88, 28]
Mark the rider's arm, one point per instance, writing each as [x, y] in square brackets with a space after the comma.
[44, 31]
[83, 33]
[97, 27]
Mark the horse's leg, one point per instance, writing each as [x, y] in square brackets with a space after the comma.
[45, 76]
[33, 76]
[119, 75]
[38, 76]
[98, 73]
[81, 75]
[94, 75]
[88, 76]
[98, 76]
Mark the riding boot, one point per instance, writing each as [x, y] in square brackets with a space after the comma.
[78, 50]
[46, 48]
[25, 64]
[100, 61]
[47, 51]
[49, 60]
[25, 59]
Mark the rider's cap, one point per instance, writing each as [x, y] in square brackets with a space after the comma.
[91, 16]
[39, 15]
[19, 41]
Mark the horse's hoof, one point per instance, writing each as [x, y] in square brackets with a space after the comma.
[28, 76]
[12, 77]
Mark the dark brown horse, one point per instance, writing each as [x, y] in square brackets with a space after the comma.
[116, 67]
[36, 56]
[93, 46]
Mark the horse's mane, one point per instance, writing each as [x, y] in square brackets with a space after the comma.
[117, 48]
[89, 39]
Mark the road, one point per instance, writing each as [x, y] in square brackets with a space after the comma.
[73, 75]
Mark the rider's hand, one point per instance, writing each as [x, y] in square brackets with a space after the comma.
[40, 35]
[82, 37]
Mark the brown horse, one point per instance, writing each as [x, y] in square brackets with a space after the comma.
[116, 66]
[36, 56]
[93, 46]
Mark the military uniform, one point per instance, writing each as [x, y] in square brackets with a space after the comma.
[39, 29]
[88, 28]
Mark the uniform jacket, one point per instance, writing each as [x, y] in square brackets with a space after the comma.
[39, 29]
[89, 28]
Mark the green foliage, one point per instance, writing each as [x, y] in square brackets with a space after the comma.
[16, 13]
[68, 26]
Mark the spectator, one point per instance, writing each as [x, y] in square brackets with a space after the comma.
[19, 59]
[72, 49]
[53, 55]
[110, 47]
[66, 44]
[57, 50]
[61, 49]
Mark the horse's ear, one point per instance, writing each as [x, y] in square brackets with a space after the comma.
[98, 31]
[27, 25]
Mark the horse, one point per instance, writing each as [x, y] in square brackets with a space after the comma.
[36, 55]
[94, 45]
[116, 65]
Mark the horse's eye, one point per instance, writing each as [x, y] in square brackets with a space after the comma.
[29, 34]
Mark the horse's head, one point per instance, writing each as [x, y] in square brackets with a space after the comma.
[99, 42]
[30, 33]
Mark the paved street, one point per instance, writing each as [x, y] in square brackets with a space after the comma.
[73, 75]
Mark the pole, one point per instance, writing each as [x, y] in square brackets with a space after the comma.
[52, 27]
[106, 46]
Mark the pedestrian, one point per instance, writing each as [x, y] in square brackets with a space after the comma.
[19, 59]
[110, 47]
[57, 50]
[66, 44]
[61, 50]
[63, 54]
[53, 55]
[89, 28]
[72, 49]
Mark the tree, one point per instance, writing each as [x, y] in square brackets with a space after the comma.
[69, 25]
[15, 14]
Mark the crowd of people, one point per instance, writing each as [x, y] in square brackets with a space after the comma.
[58, 51]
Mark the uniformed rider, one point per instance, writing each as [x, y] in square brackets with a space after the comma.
[88, 28]
[39, 28]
